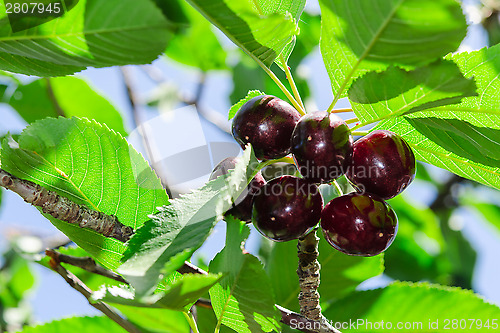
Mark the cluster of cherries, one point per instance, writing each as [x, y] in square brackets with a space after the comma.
[380, 166]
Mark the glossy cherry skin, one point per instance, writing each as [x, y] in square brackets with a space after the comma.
[382, 163]
[242, 206]
[359, 224]
[287, 208]
[321, 146]
[266, 122]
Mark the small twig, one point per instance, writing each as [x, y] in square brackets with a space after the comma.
[79, 286]
[189, 268]
[85, 263]
[210, 115]
[289, 318]
[52, 96]
[64, 209]
[138, 124]
[308, 272]
[89, 264]
[204, 303]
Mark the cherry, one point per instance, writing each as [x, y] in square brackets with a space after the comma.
[266, 122]
[242, 206]
[321, 145]
[359, 224]
[287, 208]
[382, 163]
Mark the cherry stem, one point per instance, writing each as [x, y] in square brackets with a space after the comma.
[292, 82]
[338, 188]
[263, 164]
[359, 133]
[273, 76]
[192, 322]
[340, 110]
[352, 120]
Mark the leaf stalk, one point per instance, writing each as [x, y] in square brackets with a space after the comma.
[292, 82]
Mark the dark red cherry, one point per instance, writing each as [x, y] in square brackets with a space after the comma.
[359, 224]
[287, 208]
[382, 163]
[321, 146]
[266, 122]
[242, 206]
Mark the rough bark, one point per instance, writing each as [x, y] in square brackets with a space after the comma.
[64, 209]
[309, 279]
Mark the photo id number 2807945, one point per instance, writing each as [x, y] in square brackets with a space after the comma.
[33, 8]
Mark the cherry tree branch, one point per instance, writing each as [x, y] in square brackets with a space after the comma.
[86, 263]
[79, 286]
[64, 209]
[288, 317]
[294, 320]
[109, 226]
[309, 279]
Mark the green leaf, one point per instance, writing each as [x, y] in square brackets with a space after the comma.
[16, 278]
[341, 274]
[459, 252]
[484, 66]
[461, 138]
[150, 320]
[418, 304]
[207, 321]
[358, 36]
[197, 46]
[173, 11]
[179, 292]
[294, 7]
[418, 252]
[243, 300]
[263, 37]
[307, 40]
[67, 96]
[77, 324]
[251, 94]
[93, 166]
[94, 33]
[247, 76]
[396, 92]
[181, 227]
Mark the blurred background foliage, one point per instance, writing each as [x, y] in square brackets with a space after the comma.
[430, 246]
